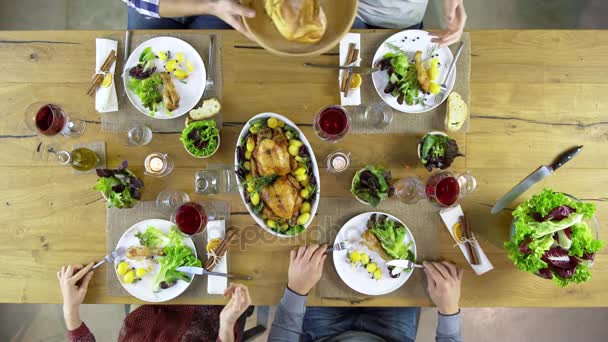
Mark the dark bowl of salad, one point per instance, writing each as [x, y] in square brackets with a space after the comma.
[436, 150]
[555, 236]
[201, 139]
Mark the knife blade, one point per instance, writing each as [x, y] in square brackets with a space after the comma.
[535, 177]
[202, 271]
[353, 69]
[403, 264]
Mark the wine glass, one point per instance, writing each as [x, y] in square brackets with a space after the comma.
[191, 218]
[50, 120]
[171, 199]
[332, 123]
[443, 189]
[139, 135]
[377, 115]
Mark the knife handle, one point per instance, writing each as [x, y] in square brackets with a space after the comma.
[566, 157]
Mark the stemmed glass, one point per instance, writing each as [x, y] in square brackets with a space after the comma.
[171, 199]
[50, 120]
[191, 218]
[332, 123]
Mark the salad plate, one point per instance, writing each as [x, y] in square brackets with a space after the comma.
[277, 174]
[360, 232]
[176, 53]
[407, 43]
[143, 283]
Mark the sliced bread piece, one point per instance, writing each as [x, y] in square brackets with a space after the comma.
[209, 108]
[457, 112]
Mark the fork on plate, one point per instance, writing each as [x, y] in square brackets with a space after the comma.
[340, 246]
[438, 98]
[118, 253]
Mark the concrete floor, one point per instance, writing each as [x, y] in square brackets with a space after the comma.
[44, 322]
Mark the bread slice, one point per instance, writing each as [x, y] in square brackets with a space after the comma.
[209, 108]
[457, 112]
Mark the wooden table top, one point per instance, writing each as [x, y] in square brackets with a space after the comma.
[533, 94]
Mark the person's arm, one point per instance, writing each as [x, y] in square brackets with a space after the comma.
[229, 11]
[238, 304]
[74, 282]
[305, 268]
[444, 280]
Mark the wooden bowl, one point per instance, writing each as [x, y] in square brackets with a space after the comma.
[340, 17]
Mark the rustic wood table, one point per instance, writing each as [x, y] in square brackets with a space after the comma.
[534, 94]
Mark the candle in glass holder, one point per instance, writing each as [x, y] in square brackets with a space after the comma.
[158, 164]
[337, 162]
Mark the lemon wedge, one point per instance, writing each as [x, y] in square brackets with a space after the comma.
[355, 82]
[107, 81]
[213, 245]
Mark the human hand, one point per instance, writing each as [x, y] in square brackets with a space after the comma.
[74, 282]
[444, 280]
[231, 12]
[239, 302]
[305, 268]
[456, 19]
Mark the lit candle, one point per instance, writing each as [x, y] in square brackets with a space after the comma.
[156, 164]
[337, 161]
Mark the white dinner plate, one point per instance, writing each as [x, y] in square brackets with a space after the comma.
[411, 41]
[143, 289]
[359, 279]
[190, 92]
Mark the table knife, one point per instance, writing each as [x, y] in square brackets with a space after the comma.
[353, 69]
[202, 271]
[403, 264]
[535, 177]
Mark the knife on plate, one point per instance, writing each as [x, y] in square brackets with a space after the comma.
[535, 177]
[404, 264]
[202, 271]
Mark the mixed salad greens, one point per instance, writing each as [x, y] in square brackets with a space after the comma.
[201, 138]
[174, 254]
[408, 81]
[438, 151]
[371, 185]
[551, 238]
[120, 187]
[145, 82]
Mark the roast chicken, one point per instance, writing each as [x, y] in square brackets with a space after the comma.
[170, 95]
[270, 156]
[282, 199]
[423, 77]
[301, 21]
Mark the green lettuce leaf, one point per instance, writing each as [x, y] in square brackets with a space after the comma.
[540, 229]
[175, 256]
[581, 275]
[391, 236]
[582, 241]
[148, 90]
[208, 131]
[153, 237]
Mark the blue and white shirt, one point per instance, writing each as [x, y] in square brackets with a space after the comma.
[148, 8]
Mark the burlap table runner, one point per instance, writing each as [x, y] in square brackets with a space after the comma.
[422, 219]
[127, 114]
[119, 220]
[413, 123]
[99, 147]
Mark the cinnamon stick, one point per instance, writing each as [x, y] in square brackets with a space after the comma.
[466, 231]
[350, 74]
[349, 59]
[105, 67]
[221, 250]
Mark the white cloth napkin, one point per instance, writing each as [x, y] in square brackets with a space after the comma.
[105, 98]
[354, 95]
[450, 218]
[215, 284]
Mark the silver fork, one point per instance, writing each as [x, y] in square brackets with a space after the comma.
[340, 246]
[209, 82]
[118, 253]
[437, 99]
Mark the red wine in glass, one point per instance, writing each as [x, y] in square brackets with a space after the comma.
[190, 218]
[443, 189]
[332, 123]
[50, 119]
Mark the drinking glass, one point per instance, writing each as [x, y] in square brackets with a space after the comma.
[377, 115]
[49, 119]
[171, 199]
[446, 189]
[139, 135]
[191, 218]
[332, 123]
[409, 190]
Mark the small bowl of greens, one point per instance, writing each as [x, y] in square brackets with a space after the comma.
[201, 139]
[120, 187]
[437, 150]
[371, 185]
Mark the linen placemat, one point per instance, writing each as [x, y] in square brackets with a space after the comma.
[99, 147]
[422, 219]
[119, 220]
[421, 122]
[127, 114]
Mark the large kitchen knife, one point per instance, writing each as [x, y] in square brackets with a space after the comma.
[534, 178]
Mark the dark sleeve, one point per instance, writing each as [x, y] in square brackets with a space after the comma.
[80, 334]
[448, 328]
[287, 324]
